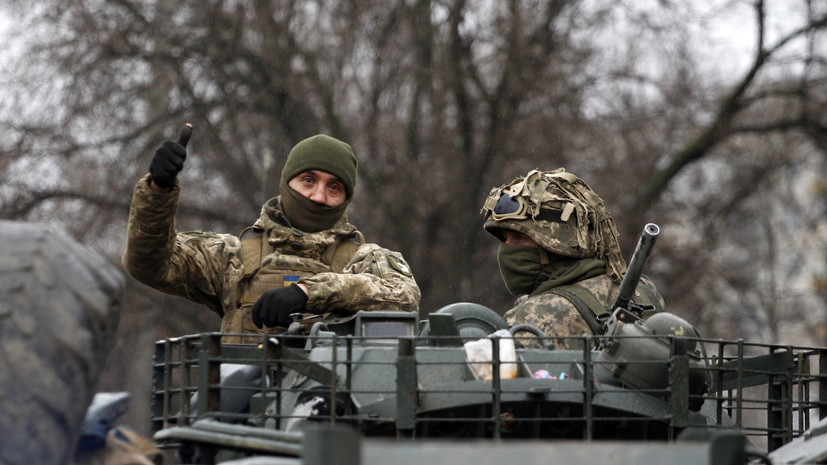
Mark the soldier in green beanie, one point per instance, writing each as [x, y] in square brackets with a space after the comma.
[559, 253]
[301, 258]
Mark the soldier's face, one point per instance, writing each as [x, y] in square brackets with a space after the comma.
[518, 238]
[320, 187]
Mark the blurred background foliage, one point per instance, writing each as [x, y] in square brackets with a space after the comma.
[442, 100]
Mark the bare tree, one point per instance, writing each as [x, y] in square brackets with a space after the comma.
[442, 100]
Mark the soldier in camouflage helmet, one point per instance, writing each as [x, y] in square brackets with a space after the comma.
[559, 253]
[301, 256]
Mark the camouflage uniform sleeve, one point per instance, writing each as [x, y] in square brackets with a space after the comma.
[374, 279]
[647, 288]
[553, 315]
[195, 265]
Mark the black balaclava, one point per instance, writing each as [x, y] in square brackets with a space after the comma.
[322, 153]
[532, 270]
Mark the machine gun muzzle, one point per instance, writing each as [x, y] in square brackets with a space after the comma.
[635, 268]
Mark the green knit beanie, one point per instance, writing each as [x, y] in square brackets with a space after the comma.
[324, 153]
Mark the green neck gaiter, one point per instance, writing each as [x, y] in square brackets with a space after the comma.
[523, 270]
[307, 215]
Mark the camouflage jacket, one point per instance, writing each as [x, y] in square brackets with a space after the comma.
[212, 269]
[556, 315]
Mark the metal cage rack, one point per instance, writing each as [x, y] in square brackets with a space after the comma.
[424, 387]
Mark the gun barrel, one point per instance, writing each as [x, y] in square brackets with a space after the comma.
[635, 268]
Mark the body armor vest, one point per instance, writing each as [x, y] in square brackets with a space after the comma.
[594, 312]
[266, 268]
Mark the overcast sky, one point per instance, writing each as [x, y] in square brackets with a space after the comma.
[725, 30]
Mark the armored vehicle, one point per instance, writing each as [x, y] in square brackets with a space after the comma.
[59, 308]
[395, 380]
[462, 386]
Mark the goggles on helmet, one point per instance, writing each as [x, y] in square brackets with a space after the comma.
[517, 208]
[509, 207]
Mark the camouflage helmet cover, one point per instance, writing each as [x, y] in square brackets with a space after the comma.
[562, 214]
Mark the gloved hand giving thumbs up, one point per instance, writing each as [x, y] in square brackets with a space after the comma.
[169, 159]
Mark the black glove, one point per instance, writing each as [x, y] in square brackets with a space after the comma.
[274, 307]
[169, 159]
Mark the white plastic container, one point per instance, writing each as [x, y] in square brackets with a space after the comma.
[479, 356]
